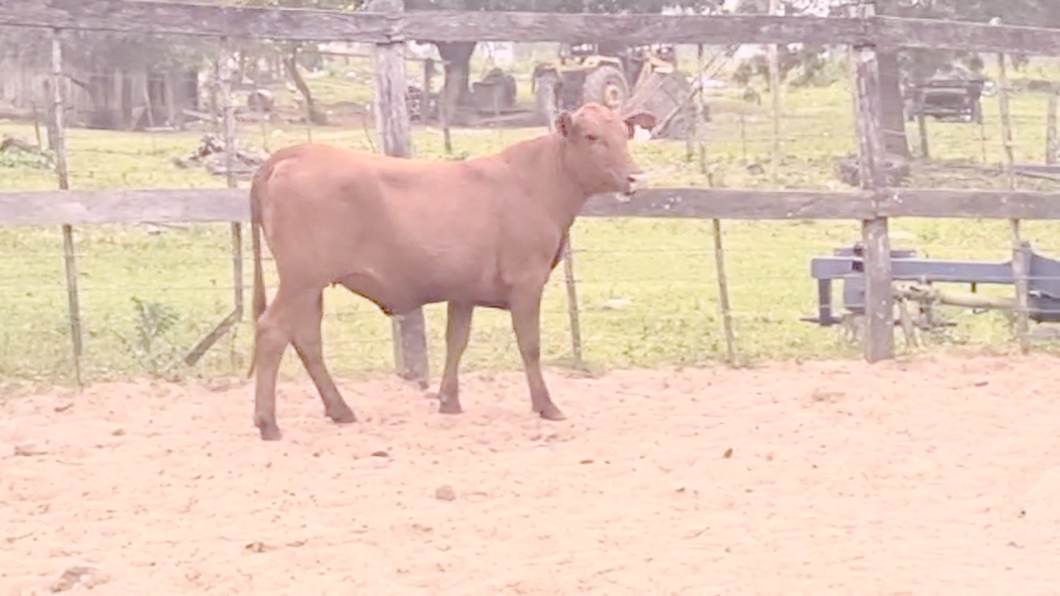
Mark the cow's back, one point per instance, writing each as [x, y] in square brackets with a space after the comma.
[432, 227]
[318, 202]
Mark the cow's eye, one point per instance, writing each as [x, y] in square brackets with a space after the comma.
[592, 138]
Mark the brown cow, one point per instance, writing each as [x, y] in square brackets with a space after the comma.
[403, 233]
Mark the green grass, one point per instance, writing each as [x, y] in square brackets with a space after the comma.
[659, 273]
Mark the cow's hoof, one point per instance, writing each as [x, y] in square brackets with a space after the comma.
[270, 433]
[551, 412]
[341, 414]
[449, 406]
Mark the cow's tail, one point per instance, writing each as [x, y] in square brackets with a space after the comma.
[261, 178]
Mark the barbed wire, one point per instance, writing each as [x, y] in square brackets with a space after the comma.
[651, 294]
[627, 305]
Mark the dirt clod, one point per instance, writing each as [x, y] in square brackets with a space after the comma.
[29, 450]
[88, 577]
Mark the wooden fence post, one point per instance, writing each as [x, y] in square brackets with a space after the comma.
[774, 92]
[566, 252]
[1020, 263]
[443, 122]
[922, 131]
[1052, 144]
[58, 145]
[428, 76]
[443, 118]
[719, 247]
[392, 122]
[723, 293]
[879, 302]
[572, 303]
[228, 124]
[229, 107]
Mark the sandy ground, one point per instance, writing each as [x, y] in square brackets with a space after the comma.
[935, 476]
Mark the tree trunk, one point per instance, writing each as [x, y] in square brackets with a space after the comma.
[892, 104]
[315, 116]
[457, 88]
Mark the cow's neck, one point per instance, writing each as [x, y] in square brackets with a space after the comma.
[569, 194]
[541, 166]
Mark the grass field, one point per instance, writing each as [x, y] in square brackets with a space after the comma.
[647, 288]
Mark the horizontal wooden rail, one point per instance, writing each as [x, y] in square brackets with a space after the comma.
[230, 205]
[376, 27]
[124, 206]
[898, 32]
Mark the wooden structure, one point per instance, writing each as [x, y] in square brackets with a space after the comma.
[115, 99]
[386, 26]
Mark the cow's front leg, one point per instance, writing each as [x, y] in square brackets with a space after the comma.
[457, 332]
[526, 319]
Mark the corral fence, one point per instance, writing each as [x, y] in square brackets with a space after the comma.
[387, 26]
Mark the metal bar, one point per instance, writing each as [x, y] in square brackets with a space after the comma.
[942, 271]
[824, 300]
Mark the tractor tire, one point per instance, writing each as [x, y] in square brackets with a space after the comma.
[606, 85]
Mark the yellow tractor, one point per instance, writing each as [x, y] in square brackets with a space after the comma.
[621, 77]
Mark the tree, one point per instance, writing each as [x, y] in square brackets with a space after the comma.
[91, 59]
[917, 64]
[290, 50]
[809, 60]
[85, 51]
[910, 64]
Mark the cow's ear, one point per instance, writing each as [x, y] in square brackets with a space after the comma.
[564, 123]
[641, 119]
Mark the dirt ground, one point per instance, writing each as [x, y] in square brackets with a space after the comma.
[939, 475]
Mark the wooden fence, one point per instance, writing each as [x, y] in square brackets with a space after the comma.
[387, 26]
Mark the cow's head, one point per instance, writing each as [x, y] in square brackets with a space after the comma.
[596, 148]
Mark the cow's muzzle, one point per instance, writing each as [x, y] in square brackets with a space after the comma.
[636, 181]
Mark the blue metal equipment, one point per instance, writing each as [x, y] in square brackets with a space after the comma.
[847, 265]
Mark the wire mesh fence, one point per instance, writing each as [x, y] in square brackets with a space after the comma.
[648, 289]
[147, 298]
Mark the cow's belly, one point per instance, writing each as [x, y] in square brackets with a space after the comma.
[399, 281]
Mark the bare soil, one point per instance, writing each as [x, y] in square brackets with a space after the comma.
[939, 475]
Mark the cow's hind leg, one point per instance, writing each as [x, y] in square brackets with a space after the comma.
[308, 344]
[526, 319]
[457, 331]
[272, 335]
